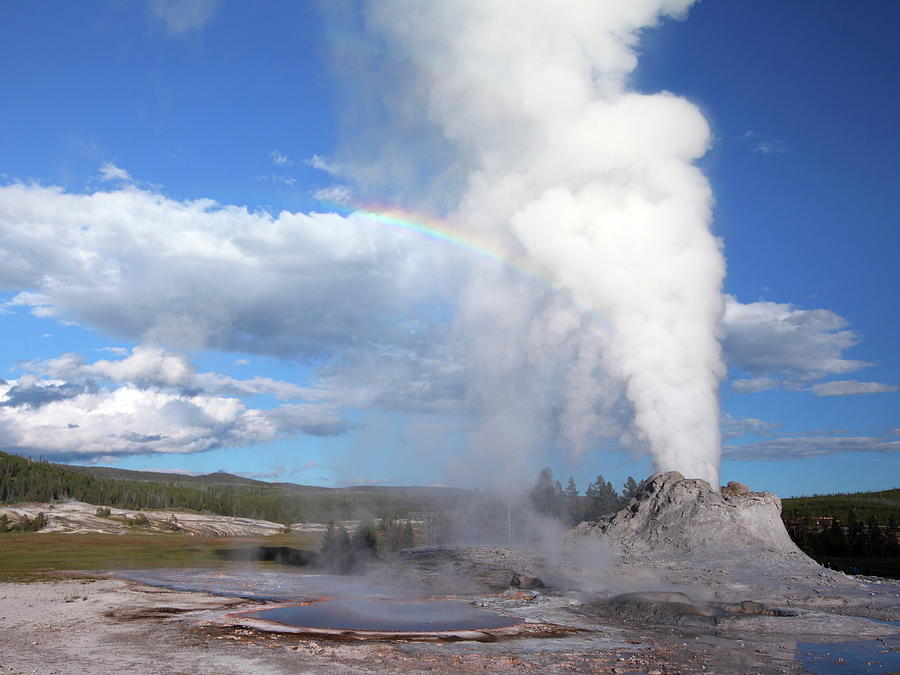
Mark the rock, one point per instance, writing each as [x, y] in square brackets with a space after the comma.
[734, 488]
[657, 608]
[526, 582]
[673, 517]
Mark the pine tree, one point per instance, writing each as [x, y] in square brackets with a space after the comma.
[336, 554]
[630, 489]
[364, 542]
[601, 499]
[543, 493]
[573, 507]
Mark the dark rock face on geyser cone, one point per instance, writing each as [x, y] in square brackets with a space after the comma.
[677, 518]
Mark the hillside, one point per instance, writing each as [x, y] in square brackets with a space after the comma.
[882, 506]
[23, 480]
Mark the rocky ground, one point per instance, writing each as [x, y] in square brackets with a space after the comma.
[602, 601]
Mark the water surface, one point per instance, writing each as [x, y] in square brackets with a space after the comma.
[386, 615]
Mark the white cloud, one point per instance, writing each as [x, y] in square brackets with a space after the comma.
[735, 427]
[241, 362]
[195, 274]
[334, 194]
[57, 421]
[155, 367]
[756, 143]
[278, 178]
[116, 351]
[850, 388]
[768, 340]
[802, 447]
[111, 172]
[280, 159]
[150, 401]
[182, 16]
[323, 164]
[129, 420]
[753, 385]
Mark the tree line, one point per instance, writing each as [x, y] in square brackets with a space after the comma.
[24, 480]
[548, 497]
[343, 553]
[881, 507]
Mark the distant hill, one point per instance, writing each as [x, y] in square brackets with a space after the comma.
[23, 480]
[217, 478]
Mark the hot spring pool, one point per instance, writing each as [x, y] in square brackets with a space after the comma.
[367, 614]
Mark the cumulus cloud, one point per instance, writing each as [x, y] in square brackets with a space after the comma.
[149, 366]
[777, 340]
[29, 391]
[130, 420]
[195, 274]
[111, 172]
[794, 447]
[148, 402]
[182, 17]
[334, 194]
[850, 388]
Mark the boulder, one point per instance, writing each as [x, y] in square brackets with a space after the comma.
[734, 488]
[525, 582]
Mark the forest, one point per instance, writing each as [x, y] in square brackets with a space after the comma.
[24, 480]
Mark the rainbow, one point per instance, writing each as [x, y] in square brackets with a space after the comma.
[432, 228]
[437, 230]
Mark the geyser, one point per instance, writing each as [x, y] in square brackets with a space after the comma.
[593, 184]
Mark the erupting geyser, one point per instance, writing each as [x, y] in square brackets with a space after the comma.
[593, 184]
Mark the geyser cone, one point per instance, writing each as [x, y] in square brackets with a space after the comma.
[674, 517]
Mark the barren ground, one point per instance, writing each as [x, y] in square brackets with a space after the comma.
[109, 625]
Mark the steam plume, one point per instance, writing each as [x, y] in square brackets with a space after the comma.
[595, 185]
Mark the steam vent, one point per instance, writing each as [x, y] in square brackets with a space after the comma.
[673, 517]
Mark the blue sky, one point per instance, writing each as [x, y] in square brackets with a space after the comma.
[249, 336]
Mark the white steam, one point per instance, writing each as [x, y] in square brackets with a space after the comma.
[594, 185]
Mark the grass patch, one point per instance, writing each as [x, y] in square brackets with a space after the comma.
[26, 555]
